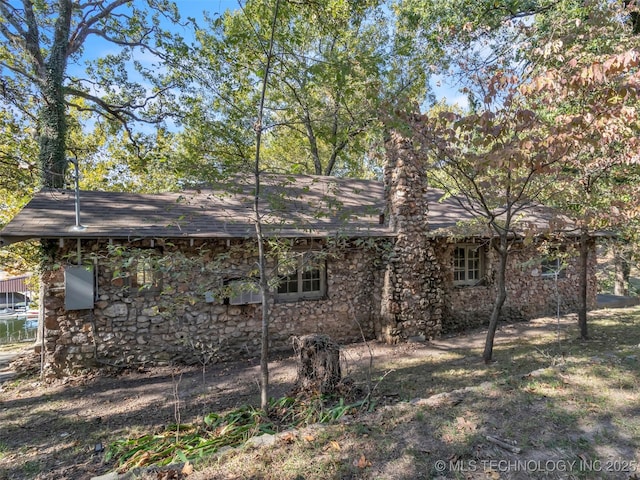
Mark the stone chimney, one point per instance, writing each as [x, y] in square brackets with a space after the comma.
[412, 298]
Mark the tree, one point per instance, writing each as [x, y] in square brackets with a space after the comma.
[585, 85]
[17, 182]
[498, 162]
[42, 40]
[108, 162]
[332, 70]
[470, 41]
[265, 282]
[262, 262]
[577, 67]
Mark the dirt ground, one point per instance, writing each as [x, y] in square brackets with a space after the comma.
[59, 430]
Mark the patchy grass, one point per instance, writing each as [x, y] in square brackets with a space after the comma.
[10, 347]
[185, 442]
[571, 407]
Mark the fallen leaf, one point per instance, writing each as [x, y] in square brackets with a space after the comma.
[288, 437]
[332, 445]
[187, 469]
[493, 475]
[362, 462]
[465, 425]
[309, 438]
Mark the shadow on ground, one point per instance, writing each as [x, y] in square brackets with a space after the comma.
[51, 431]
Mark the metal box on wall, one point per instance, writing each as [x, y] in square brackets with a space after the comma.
[79, 287]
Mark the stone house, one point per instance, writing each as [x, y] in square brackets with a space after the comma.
[136, 279]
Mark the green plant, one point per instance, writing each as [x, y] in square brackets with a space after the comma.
[217, 431]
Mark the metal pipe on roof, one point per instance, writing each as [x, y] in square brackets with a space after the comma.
[78, 226]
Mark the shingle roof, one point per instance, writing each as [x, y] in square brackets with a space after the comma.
[292, 206]
[446, 213]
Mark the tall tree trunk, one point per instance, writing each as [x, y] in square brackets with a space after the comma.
[622, 272]
[52, 137]
[583, 284]
[262, 263]
[53, 121]
[501, 297]
[313, 144]
[264, 350]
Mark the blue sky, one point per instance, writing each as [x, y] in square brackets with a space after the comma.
[195, 8]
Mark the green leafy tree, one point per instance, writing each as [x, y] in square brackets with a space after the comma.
[18, 178]
[469, 42]
[109, 162]
[332, 70]
[41, 79]
[257, 211]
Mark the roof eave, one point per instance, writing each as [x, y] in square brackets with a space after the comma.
[6, 240]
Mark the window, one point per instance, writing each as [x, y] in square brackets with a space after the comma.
[243, 292]
[468, 265]
[146, 276]
[301, 276]
[550, 267]
[552, 261]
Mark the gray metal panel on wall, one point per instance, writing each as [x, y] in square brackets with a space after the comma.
[78, 287]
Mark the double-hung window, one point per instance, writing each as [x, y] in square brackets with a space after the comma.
[468, 265]
[301, 276]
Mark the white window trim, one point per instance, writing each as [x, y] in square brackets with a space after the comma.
[301, 259]
[481, 272]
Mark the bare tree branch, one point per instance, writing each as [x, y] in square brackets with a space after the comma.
[84, 29]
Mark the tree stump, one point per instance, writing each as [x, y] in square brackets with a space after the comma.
[318, 364]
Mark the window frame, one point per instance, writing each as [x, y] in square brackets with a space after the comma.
[154, 284]
[550, 266]
[243, 296]
[467, 247]
[305, 263]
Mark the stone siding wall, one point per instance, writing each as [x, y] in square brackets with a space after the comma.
[529, 294]
[412, 295]
[132, 327]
